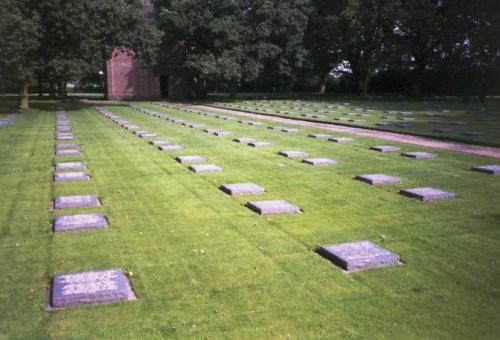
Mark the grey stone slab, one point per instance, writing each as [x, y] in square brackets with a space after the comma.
[319, 161]
[205, 168]
[241, 189]
[71, 176]
[81, 221]
[294, 154]
[68, 152]
[378, 179]
[190, 159]
[276, 127]
[160, 142]
[67, 146]
[131, 127]
[76, 201]
[69, 166]
[172, 147]
[358, 255]
[488, 169]
[196, 125]
[319, 135]
[444, 130]
[245, 140]
[472, 133]
[261, 144]
[63, 128]
[427, 194]
[419, 155]
[383, 124]
[69, 137]
[221, 133]
[405, 126]
[272, 207]
[385, 148]
[97, 286]
[147, 135]
[289, 130]
[340, 139]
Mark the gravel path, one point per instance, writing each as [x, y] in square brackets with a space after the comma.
[366, 132]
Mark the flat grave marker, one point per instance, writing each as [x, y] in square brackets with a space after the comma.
[241, 189]
[340, 139]
[81, 221]
[319, 136]
[319, 161]
[358, 255]
[272, 207]
[487, 169]
[205, 168]
[69, 166]
[160, 142]
[171, 147]
[190, 159]
[71, 176]
[245, 140]
[385, 148]
[293, 154]
[427, 194]
[419, 155]
[68, 152]
[76, 201]
[378, 179]
[261, 144]
[97, 286]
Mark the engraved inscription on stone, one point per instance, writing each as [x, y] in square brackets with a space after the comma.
[76, 201]
[82, 221]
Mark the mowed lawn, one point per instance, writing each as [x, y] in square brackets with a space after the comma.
[471, 122]
[205, 266]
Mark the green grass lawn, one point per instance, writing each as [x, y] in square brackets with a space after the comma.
[473, 122]
[205, 266]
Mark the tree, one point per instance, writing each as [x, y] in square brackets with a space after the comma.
[19, 44]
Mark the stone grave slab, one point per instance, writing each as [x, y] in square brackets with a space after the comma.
[254, 123]
[340, 139]
[241, 189]
[260, 144]
[190, 159]
[76, 201]
[160, 142]
[69, 166]
[71, 176]
[221, 133]
[68, 137]
[97, 286]
[147, 135]
[288, 130]
[427, 194]
[419, 155]
[319, 136]
[81, 221]
[272, 207]
[63, 128]
[205, 168]
[378, 179]
[383, 124]
[276, 127]
[385, 148]
[245, 140]
[211, 131]
[63, 146]
[472, 133]
[196, 126]
[319, 161]
[293, 154]
[68, 152]
[358, 255]
[487, 169]
[444, 130]
[171, 147]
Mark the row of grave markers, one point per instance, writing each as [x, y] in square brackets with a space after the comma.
[76, 288]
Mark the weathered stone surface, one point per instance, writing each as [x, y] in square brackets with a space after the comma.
[245, 140]
[378, 179]
[221, 133]
[260, 144]
[97, 286]
[488, 169]
[69, 166]
[319, 161]
[191, 159]
[358, 255]
[67, 146]
[293, 154]
[419, 155]
[68, 152]
[76, 201]
[472, 133]
[147, 135]
[319, 135]
[443, 130]
[205, 168]
[272, 207]
[340, 139]
[240, 189]
[82, 221]
[172, 147]
[427, 194]
[65, 137]
[276, 127]
[196, 125]
[63, 128]
[288, 130]
[385, 148]
[160, 142]
[71, 176]
[254, 123]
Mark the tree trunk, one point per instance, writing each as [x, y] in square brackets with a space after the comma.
[233, 89]
[52, 89]
[24, 96]
[322, 85]
[40, 86]
[62, 88]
